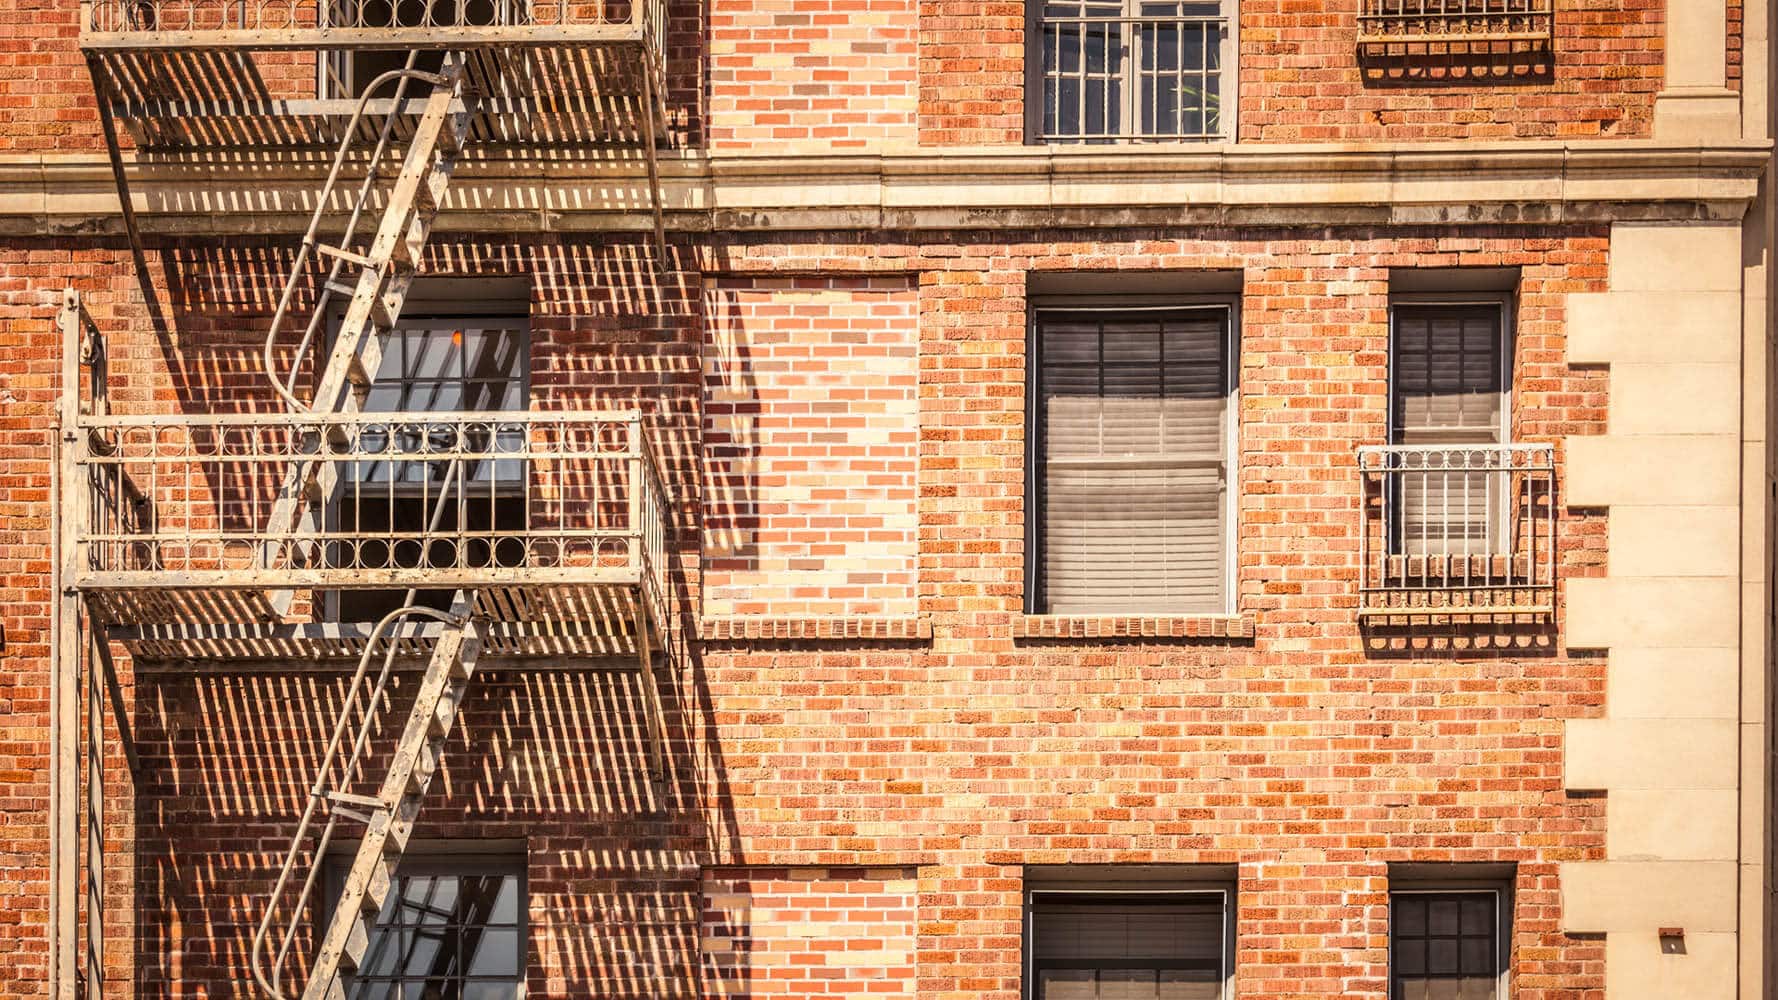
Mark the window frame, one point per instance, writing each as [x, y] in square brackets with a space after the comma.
[1228, 88]
[434, 860]
[443, 316]
[1035, 420]
[1500, 521]
[1183, 884]
[1450, 879]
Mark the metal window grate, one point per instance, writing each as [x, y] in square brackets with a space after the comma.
[1458, 529]
[1399, 22]
[1133, 70]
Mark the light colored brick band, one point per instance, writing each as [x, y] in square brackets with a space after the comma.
[887, 627]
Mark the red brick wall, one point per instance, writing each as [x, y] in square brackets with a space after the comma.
[809, 933]
[1737, 14]
[813, 74]
[811, 446]
[879, 72]
[1300, 79]
[1311, 755]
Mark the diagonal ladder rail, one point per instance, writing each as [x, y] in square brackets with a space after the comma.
[383, 272]
[388, 816]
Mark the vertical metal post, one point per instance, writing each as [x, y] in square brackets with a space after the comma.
[64, 706]
[93, 698]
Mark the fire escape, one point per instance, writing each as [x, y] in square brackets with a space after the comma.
[196, 536]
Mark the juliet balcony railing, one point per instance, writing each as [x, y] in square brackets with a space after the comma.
[1382, 22]
[1458, 530]
[547, 515]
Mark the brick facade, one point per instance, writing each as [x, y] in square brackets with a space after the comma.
[869, 739]
[1310, 755]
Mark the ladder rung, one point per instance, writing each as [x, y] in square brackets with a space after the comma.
[353, 814]
[444, 715]
[343, 254]
[367, 801]
[339, 288]
[357, 944]
[356, 374]
[376, 891]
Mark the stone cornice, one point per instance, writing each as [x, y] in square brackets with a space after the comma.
[984, 187]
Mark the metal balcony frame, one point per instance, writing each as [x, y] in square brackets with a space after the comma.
[1468, 584]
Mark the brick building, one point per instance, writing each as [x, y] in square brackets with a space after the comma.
[1080, 499]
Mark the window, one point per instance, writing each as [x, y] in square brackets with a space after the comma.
[436, 365]
[1450, 369]
[1107, 70]
[1150, 938]
[451, 929]
[1449, 931]
[1131, 423]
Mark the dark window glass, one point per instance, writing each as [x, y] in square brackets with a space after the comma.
[447, 932]
[1445, 945]
[431, 366]
[1131, 946]
[1131, 451]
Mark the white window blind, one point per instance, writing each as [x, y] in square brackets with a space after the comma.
[1133, 428]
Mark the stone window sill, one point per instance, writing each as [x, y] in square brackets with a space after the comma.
[714, 628]
[1133, 627]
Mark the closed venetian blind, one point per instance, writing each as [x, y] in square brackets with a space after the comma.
[1448, 391]
[1096, 947]
[1447, 374]
[1134, 411]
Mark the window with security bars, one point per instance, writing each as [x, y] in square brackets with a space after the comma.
[1449, 378]
[1127, 945]
[1446, 944]
[1111, 70]
[450, 930]
[1131, 418]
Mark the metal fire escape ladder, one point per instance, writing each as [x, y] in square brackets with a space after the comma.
[384, 271]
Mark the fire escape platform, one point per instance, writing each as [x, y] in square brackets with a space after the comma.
[202, 77]
[555, 522]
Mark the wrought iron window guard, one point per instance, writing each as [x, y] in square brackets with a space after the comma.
[1434, 25]
[1452, 530]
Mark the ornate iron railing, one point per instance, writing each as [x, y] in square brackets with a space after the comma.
[558, 498]
[1387, 22]
[1458, 529]
[189, 20]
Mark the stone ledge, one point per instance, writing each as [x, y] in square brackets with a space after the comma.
[1377, 184]
[1133, 626]
[878, 628]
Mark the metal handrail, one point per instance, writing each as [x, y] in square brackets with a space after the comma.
[319, 793]
[187, 498]
[318, 316]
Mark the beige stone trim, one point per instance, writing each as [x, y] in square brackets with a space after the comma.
[1672, 610]
[1001, 186]
[1638, 898]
